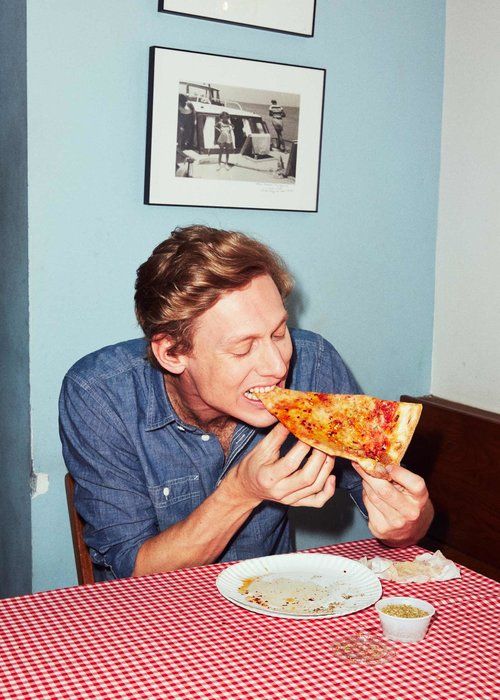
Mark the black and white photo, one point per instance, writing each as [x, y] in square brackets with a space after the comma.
[233, 132]
[226, 132]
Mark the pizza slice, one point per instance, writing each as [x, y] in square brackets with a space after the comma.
[370, 431]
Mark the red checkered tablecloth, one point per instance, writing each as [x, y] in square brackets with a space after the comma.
[172, 636]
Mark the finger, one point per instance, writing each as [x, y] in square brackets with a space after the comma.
[386, 509]
[404, 504]
[392, 519]
[411, 482]
[365, 475]
[296, 494]
[275, 437]
[317, 463]
[319, 499]
[324, 480]
[292, 460]
[387, 493]
[402, 477]
[309, 472]
[384, 488]
[376, 521]
[381, 520]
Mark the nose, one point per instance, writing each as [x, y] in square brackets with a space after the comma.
[271, 362]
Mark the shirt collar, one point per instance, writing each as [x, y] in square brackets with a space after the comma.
[160, 411]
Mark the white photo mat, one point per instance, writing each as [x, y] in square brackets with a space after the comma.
[168, 68]
[290, 16]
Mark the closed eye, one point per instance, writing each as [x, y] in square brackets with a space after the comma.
[242, 352]
[280, 332]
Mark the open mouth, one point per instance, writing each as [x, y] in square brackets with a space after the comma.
[253, 393]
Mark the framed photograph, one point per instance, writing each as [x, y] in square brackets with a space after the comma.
[289, 16]
[232, 132]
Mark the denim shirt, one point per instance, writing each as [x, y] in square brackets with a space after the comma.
[138, 468]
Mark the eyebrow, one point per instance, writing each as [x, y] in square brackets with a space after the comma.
[235, 339]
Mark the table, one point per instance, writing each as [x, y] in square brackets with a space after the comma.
[172, 636]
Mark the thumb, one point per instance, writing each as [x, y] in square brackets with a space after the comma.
[276, 437]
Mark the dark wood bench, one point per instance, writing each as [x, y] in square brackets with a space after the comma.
[456, 448]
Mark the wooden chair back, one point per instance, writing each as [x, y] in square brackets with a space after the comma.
[83, 561]
[456, 449]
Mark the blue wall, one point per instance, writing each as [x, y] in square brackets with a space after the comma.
[364, 263]
[15, 506]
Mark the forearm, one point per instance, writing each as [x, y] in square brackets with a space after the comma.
[201, 537]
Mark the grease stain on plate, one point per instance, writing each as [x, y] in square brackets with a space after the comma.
[294, 594]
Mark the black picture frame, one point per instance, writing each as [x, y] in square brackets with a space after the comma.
[215, 17]
[187, 162]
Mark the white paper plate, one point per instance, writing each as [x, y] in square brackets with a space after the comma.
[301, 585]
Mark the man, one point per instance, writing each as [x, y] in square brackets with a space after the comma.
[176, 463]
[186, 117]
[277, 114]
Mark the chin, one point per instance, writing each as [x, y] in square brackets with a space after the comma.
[262, 421]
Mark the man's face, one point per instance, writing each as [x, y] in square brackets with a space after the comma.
[240, 343]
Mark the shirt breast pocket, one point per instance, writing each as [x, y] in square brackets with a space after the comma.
[182, 490]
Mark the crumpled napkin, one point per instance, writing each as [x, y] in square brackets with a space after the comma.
[425, 567]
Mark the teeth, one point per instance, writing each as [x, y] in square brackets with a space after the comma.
[252, 393]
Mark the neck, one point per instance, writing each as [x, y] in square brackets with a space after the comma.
[179, 397]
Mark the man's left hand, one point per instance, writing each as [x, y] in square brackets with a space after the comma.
[399, 511]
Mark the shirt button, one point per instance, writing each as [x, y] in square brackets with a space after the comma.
[205, 437]
[166, 491]
[181, 428]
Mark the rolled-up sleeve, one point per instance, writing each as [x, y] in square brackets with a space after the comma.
[110, 490]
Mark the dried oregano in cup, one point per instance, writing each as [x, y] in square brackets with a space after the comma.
[402, 610]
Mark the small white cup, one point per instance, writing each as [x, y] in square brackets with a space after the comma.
[404, 629]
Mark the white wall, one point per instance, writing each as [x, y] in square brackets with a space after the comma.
[466, 348]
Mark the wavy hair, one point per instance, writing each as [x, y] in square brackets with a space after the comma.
[188, 273]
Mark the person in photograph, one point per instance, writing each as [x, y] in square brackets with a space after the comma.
[176, 462]
[277, 114]
[225, 138]
[185, 123]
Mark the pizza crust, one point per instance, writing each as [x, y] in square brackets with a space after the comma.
[409, 415]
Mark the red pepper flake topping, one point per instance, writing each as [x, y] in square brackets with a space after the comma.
[387, 409]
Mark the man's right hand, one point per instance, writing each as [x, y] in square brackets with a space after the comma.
[263, 475]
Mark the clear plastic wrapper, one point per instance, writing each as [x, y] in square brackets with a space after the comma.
[363, 648]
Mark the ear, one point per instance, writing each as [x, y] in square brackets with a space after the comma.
[161, 350]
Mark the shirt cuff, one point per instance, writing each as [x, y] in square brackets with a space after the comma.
[357, 496]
